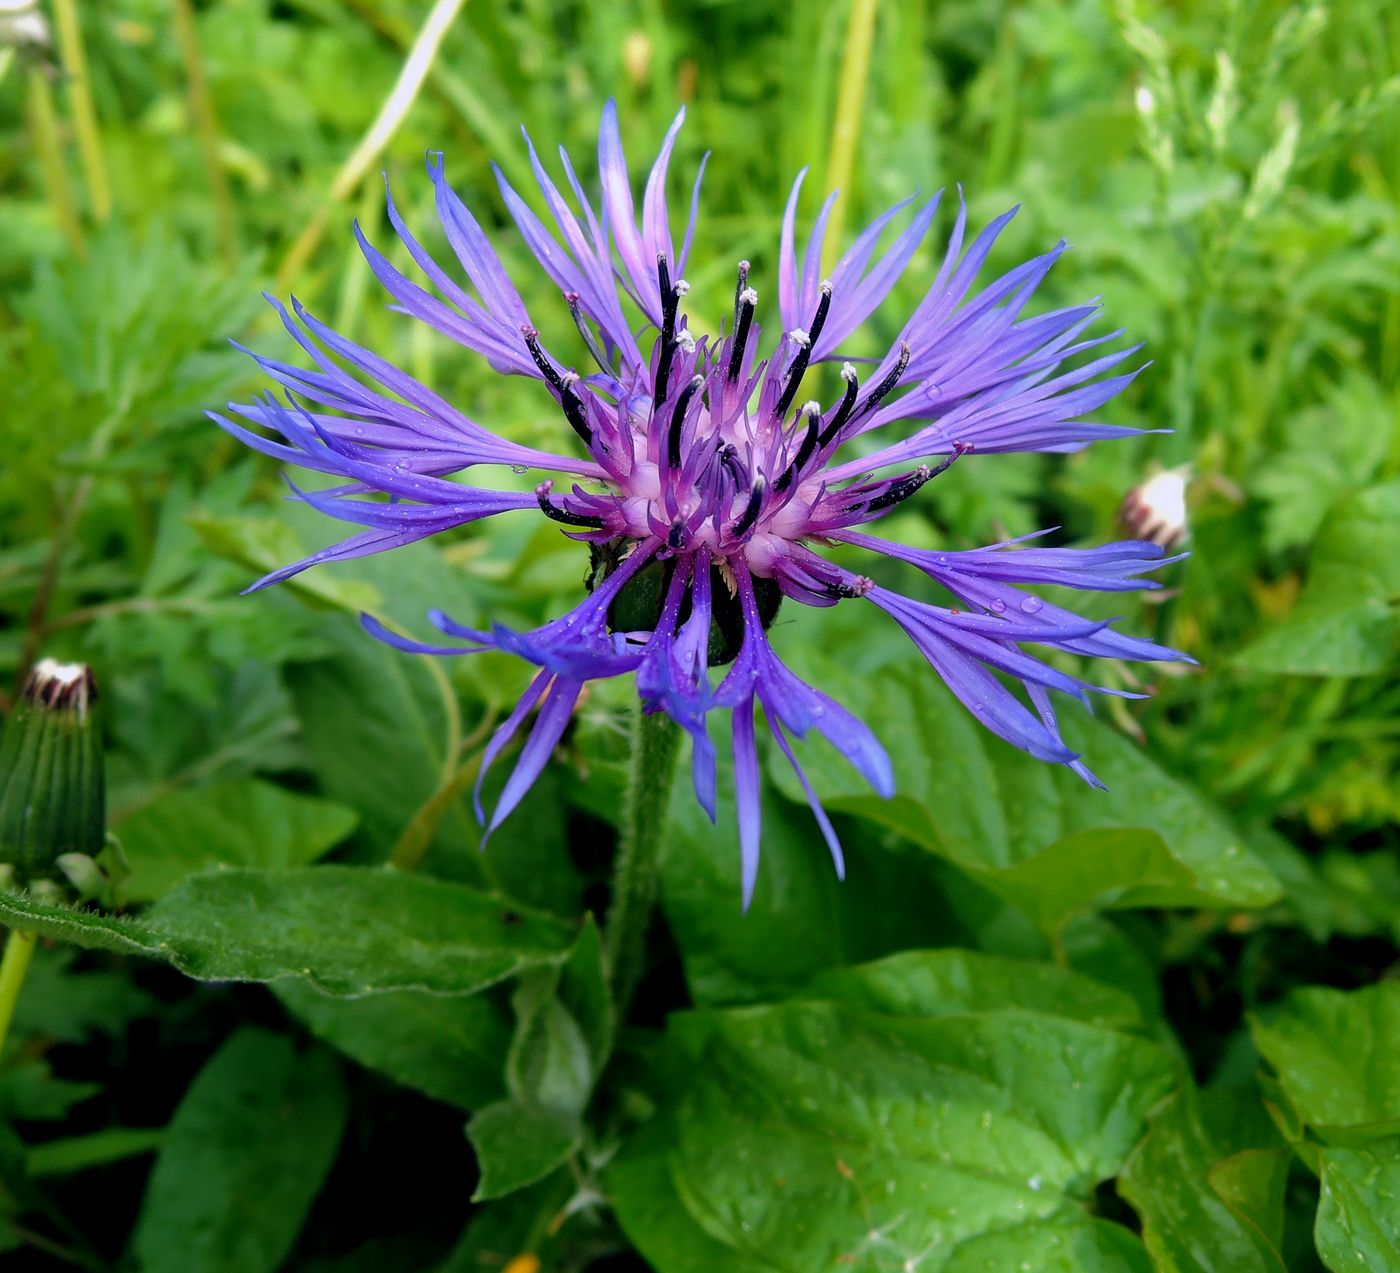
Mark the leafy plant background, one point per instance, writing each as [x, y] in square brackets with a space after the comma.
[1038, 1028]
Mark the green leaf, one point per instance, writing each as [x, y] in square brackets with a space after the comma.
[803, 918]
[518, 1144]
[564, 1029]
[1358, 1216]
[244, 1158]
[931, 983]
[380, 751]
[996, 812]
[264, 544]
[350, 930]
[1346, 621]
[1336, 1059]
[242, 822]
[811, 1134]
[1187, 1225]
[69, 1005]
[453, 1048]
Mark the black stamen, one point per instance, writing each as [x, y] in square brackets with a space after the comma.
[804, 352]
[675, 537]
[560, 515]
[739, 288]
[673, 437]
[584, 330]
[843, 412]
[741, 333]
[882, 390]
[901, 490]
[804, 452]
[750, 513]
[669, 300]
[568, 399]
[898, 492]
[547, 369]
[729, 457]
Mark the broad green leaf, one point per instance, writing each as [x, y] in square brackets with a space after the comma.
[243, 1160]
[1336, 1058]
[349, 930]
[997, 813]
[817, 1134]
[518, 1144]
[931, 983]
[1186, 1224]
[1346, 621]
[451, 1047]
[1358, 1217]
[241, 822]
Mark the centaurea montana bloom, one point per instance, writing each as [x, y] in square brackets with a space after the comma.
[707, 475]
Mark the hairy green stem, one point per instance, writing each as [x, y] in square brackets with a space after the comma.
[636, 873]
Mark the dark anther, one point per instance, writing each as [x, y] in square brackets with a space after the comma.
[675, 537]
[813, 414]
[557, 514]
[750, 513]
[882, 390]
[584, 330]
[857, 588]
[669, 300]
[568, 399]
[739, 288]
[804, 352]
[899, 491]
[748, 298]
[547, 369]
[729, 457]
[848, 403]
[673, 437]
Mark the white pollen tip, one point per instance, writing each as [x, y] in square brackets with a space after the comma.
[799, 337]
[848, 371]
[570, 378]
[825, 285]
[685, 341]
[748, 297]
[682, 287]
[812, 408]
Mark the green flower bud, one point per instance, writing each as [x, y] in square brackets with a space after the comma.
[52, 788]
[638, 605]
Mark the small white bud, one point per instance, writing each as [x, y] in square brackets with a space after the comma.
[1156, 509]
[682, 287]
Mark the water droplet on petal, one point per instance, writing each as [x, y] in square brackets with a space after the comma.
[518, 468]
[998, 606]
[1031, 604]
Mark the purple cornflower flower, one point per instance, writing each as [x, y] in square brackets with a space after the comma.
[709, 477]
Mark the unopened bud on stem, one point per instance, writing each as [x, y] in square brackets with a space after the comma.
[52, 788]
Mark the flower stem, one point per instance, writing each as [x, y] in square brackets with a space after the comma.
[13, 966]
[845, 129]
[636, 873]
[70, 45]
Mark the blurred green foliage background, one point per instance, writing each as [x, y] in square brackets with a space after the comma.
[1228, 175]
